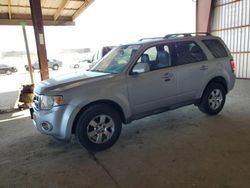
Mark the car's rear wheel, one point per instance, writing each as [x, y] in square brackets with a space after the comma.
[27, 69]
[76, 66]
[14, 69]
[213, 99]
[55, 67]
[98, 127]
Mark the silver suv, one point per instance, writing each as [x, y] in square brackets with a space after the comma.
[131, 82]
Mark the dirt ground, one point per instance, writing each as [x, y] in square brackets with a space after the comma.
[183, 148]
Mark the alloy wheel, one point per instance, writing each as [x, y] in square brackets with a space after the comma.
[100, 129]
[215, 99]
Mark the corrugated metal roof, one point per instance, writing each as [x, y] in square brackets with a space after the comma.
[55, 12]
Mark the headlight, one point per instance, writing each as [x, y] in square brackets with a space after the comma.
[48, 102]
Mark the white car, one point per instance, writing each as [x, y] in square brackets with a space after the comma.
[99, 54]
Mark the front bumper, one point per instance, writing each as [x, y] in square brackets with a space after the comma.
[59, 121]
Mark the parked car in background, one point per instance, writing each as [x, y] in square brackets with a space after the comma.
[81, 63]
[52, 63]
[134, 81]
[100, 53]
[6, 69]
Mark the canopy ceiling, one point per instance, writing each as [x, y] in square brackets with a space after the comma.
[55, 12]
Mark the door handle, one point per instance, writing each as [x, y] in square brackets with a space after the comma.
[168, 76]
[204, 67]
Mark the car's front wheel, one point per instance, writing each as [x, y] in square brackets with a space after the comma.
[55, 67]
[98, 127]
[213, 99]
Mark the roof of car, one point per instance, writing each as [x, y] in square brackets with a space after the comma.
[171, 37]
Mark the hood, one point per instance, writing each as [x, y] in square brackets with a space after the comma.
[68, 81]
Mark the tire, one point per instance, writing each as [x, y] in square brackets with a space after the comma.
[14, 69]
[27, 69]
[98, 127]
[213, 99]
[76, 66]
[8, 72]
[55, 67]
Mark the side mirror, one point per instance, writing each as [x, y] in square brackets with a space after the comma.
[140, 68]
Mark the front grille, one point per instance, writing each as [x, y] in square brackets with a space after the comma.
[36, 102]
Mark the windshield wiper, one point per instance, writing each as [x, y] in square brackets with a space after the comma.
[97, 70]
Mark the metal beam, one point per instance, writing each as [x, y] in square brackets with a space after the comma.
[231, 28]
[85, 5]
[203, 12]
[28, 54]
[28, 7]
[227, 3]
[28, 17]
[29, 22]
[36, 13]
[17, 19]
[9, 8]
[60, 9]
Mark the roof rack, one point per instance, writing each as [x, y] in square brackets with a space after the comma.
[151, 38]
[178, 35]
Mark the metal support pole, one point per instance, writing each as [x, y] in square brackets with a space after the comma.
[28, 53]
[203, 13]
[37, 19]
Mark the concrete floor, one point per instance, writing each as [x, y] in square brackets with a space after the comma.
[177, 149]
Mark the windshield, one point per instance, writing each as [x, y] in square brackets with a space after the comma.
[116, 60]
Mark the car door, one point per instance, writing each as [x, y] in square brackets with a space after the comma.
[2, 70]
[154, 89]
[191, 64]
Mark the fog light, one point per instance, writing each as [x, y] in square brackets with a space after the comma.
[46, 126]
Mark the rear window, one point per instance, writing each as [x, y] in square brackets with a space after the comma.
[186, 52]
[215, 47]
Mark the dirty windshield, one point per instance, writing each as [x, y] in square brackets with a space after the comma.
[116, 60]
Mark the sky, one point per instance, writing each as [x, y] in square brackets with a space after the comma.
[109, 22]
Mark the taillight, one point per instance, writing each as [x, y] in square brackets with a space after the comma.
[232, 64]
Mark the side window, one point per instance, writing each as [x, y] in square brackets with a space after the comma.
[152, 53]
[215, 47]
[154, 58]
[148, 56]
[187, 52]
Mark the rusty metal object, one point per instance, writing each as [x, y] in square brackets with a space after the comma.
[36, 13]
[26, 96]
[203, 15]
